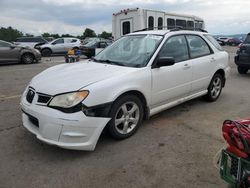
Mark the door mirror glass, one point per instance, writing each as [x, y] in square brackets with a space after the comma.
[164, 61]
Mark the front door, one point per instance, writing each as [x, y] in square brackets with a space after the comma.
[173, 82]
[8, 52]
[58, 46]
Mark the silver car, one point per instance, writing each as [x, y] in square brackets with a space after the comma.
[59, 46]
[13, 53]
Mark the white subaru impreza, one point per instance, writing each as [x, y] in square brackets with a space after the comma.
[139, 75]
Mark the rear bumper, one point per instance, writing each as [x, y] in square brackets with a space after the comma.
[242, 61]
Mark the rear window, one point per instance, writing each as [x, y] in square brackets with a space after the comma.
[214, 42]
[247, 40]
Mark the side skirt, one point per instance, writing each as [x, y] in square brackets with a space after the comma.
[158, 109]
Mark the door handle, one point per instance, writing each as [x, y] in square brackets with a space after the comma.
[186, 66]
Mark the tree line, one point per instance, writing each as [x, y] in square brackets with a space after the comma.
[10, 34]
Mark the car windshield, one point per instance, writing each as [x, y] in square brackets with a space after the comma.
[131, 50]
[90, 44]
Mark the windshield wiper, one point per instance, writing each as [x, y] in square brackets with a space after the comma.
[110, 62]
[94, 59]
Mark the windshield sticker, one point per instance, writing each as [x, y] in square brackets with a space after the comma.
[154, 37]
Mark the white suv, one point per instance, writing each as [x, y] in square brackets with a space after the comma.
[59, 46]
[136, 77]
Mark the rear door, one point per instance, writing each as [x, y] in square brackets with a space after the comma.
[203, 62]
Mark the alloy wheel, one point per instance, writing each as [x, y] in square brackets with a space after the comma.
[127, 117]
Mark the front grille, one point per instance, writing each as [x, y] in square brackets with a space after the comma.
[30, 95]
[42, 98]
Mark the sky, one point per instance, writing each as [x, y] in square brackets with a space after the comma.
[73, 16]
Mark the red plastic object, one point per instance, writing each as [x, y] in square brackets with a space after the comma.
[235, 136]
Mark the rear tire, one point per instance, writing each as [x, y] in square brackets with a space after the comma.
[214, 88]
[46, 52]
[242, 70]
[27, 58]
[127, 115]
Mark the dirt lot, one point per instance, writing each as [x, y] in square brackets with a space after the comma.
[173, 149]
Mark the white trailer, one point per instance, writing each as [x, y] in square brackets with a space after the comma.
[130, 20]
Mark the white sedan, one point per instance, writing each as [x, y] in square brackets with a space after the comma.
[136, 77]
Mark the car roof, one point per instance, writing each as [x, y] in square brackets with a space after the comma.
[164, 32]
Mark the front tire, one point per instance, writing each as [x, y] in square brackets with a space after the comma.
[242, 70]
[46, 52]
[27, 58]
[127, 115]
[215, 88]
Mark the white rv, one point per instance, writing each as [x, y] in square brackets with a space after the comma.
[130, 20]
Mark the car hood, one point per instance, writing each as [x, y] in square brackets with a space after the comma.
[72, 77]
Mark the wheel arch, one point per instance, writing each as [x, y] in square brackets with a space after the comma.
[24, 53]
[222, 73]
[142, 98]
[48, 48]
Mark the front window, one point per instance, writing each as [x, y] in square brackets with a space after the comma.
[175, 47]
[58, 41]
[4, 44]
[132, 51]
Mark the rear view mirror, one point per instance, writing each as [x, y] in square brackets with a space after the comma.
[164, 61]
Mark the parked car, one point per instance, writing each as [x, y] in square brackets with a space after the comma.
[90, 39]
[59, 46]
[223, 39]
[221, 42]
[12, 53]
[242, 58]
[32, 42]
[94, 47]
[233, 42]
[136, 77]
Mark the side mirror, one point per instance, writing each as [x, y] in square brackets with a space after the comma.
[164, 61]
[12, 46]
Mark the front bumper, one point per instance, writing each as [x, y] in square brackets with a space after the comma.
[38, 57]
[71, 131]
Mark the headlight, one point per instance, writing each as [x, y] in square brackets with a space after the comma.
[68, 100]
